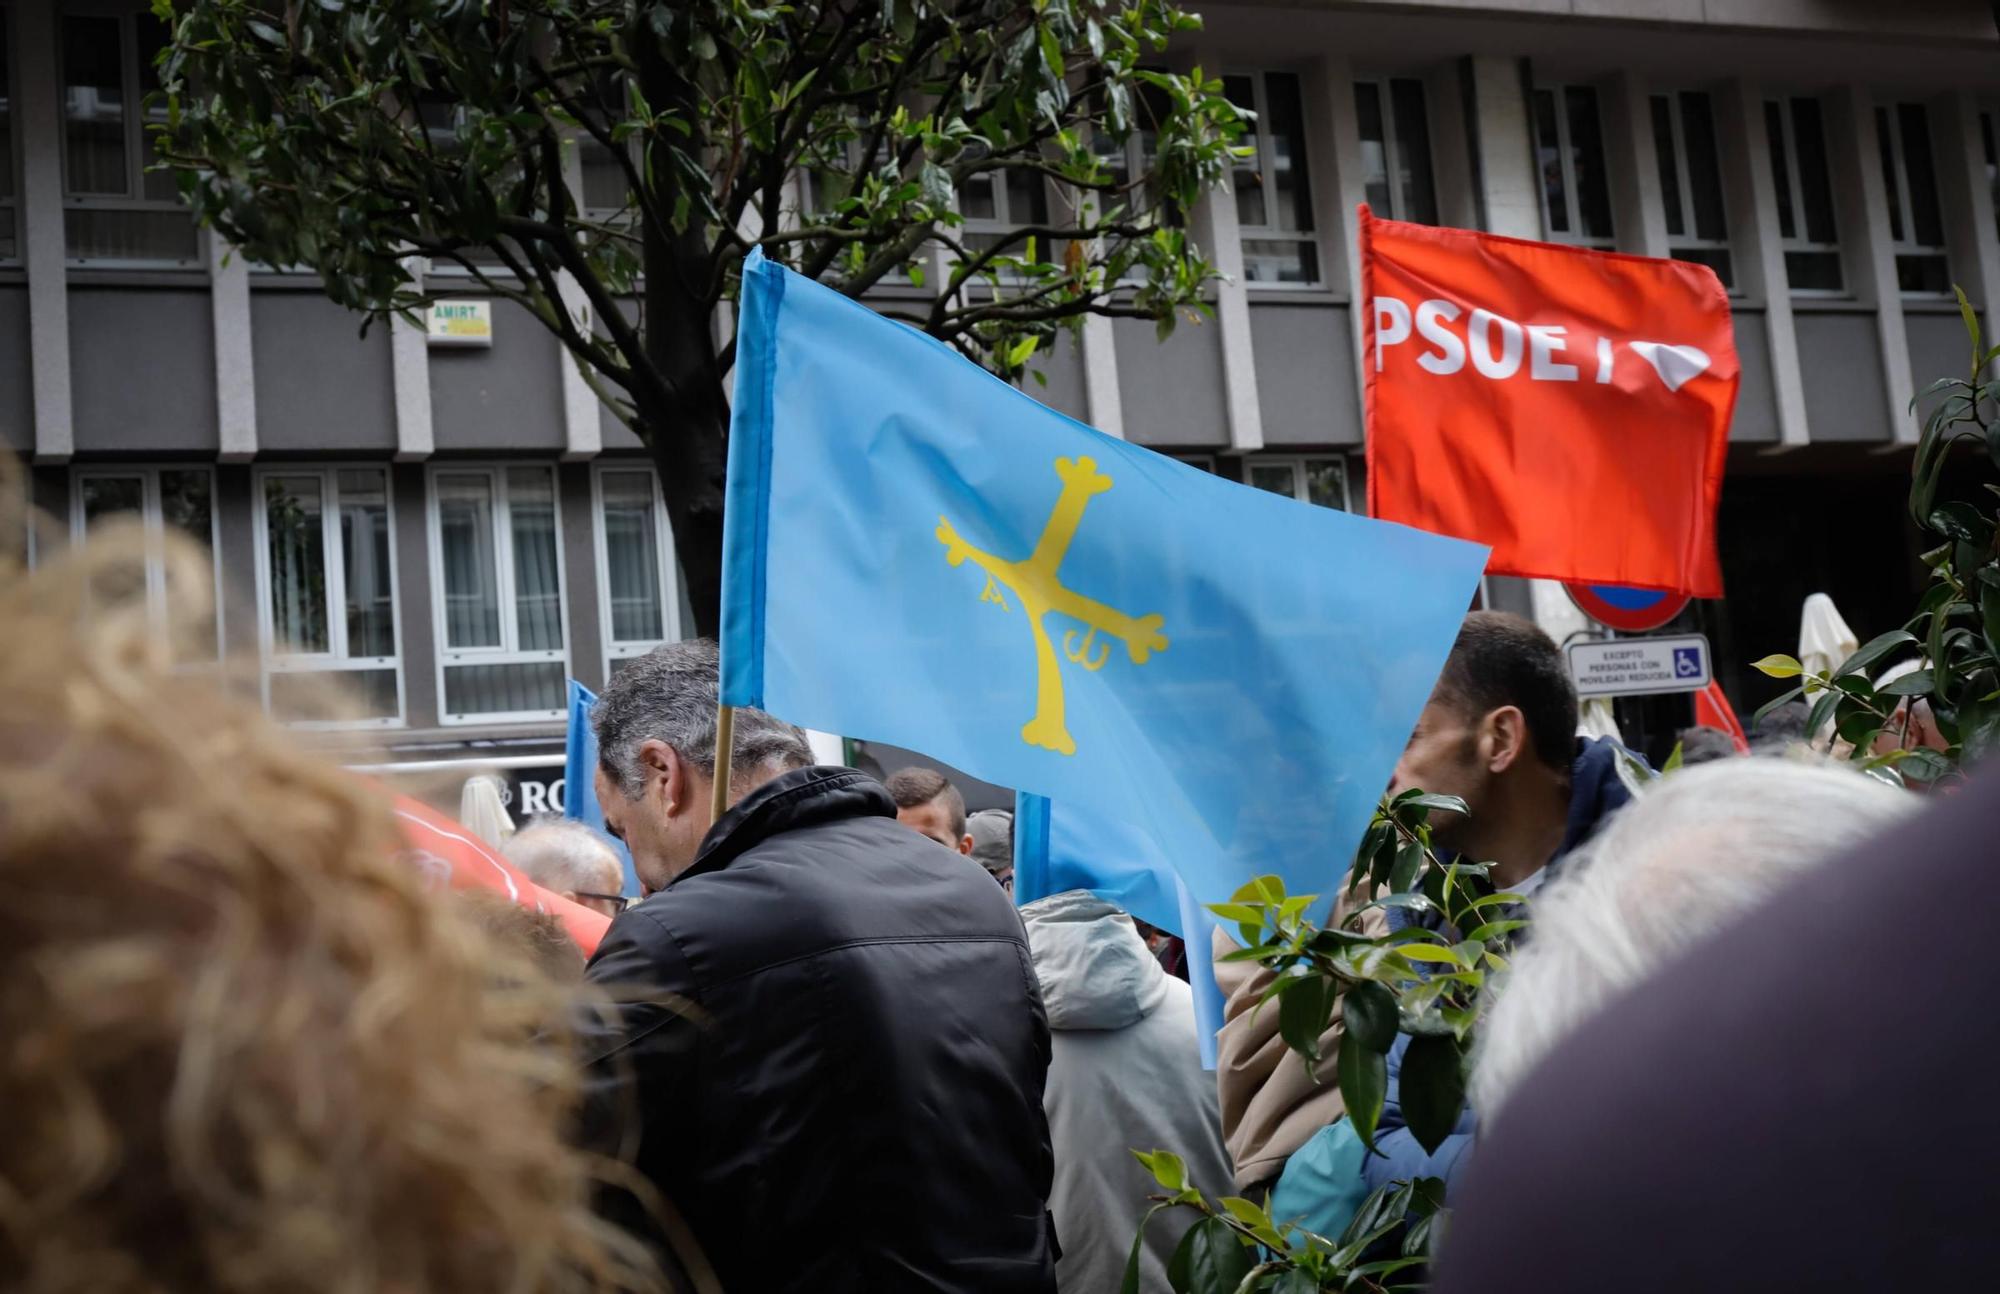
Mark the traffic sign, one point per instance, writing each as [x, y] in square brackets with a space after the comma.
[1630, 611]
[1640, 666]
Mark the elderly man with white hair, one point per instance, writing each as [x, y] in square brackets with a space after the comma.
[571, 859]
[1706, 845]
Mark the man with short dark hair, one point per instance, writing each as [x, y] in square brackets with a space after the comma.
[834, 1047]
[927, 803]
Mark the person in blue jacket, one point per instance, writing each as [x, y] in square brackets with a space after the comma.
[1499, 732]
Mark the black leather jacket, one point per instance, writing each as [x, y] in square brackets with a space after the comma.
[855, 1102]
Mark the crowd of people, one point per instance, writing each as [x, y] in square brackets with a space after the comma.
[248, 1049]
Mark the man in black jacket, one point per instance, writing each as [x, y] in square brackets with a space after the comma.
[846, 1092]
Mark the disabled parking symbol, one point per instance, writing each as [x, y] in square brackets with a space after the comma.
[1687, 662]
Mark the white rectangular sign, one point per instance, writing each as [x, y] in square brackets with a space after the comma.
[461, 323]
[1640, 666]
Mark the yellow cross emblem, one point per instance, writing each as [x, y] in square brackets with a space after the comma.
[1036, 582]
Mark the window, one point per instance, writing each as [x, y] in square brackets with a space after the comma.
[1309, 480]
[10, 238]
[119, 212]
[995, 203]
[635, 564]
[1992, 147]
[326, 590]
[1799, 173]
[1396, 149]
[160, 498]
[1569, 148]
[1691, 180]
[1274, 215]
[1133, 158]
[1916, 220]
[497, 569]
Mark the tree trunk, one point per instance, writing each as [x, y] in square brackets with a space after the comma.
[690, 441]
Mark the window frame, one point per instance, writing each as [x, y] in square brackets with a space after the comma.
[669, 563]
[1565, 157]
[131, 81]
[331, 661]
[1796, 193]
[1265, 164]
[509, 652]
[153, 517]
[1297, 463]
[1900, 206]
[1684, 174]
[1392, 147]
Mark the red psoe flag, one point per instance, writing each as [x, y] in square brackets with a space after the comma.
[1568, 407]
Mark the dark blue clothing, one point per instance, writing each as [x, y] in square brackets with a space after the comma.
[1598, 787]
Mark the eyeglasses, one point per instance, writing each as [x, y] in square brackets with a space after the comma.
[618, 902]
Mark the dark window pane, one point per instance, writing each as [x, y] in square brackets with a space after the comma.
[1670, 172]
[1813, 271]
[1885, 146]
[1926, 219]
[1814, 178]
[1548, 155]
[93, 107]
[1280, 260]
[531, 509]
[1247, 175]
[1326, 483]
[1374, 148]
[1781, 174]
[1716, 258]
[106, 496]
[1586, 142]
[333, 695]
[364, 551]
[1992, 164]
[1290, 183]
[153, 37]
[295, 556]
[1704, 162]
[1413, 148]
[1925, 275]
[153, 236]
[1027, 198]
[503, 689]
[6, 127]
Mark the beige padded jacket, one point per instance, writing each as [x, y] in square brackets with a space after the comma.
[1270, 1105]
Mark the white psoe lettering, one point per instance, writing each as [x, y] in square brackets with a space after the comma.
[1496, 345]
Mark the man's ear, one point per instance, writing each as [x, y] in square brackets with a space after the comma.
[965, 845]
[1504, 741]
[667, 775]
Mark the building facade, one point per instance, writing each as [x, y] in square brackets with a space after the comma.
[455, 529]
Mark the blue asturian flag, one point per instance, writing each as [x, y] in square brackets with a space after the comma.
[1060, 847]
[915, 552]
[580, 778]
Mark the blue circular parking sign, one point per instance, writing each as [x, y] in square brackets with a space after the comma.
[1626, 609]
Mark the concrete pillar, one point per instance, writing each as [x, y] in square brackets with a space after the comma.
[1505, 181]
[1864, 232]
[1218, 238]
[583, 434]
[38, 102]
[1100, 377]
[1968, 207]
[1339, 188]
[235, 364]
[1750, 197]
[1638, 203]
[410, 372]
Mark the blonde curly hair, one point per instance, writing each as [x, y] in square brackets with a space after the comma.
[241, 1047]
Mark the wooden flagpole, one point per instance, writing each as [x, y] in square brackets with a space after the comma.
[725, 747]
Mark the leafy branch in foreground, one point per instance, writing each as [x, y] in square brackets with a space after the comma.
[1238, 1248]
[1957, 620]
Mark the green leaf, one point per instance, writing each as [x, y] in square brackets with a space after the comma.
[1167, 1168]
[1673, 760]
[1779, 666]
[1875, 649]
[1369, 1012]
[1018, 353]
[1295, 1281]
[1433, 1088]
[1436, 954]
[1915, 683]
[1989, 615]
[1303, 1011]
[1245, 1211]
[1364, 1078]
[1130, 1285]
[1409, 860]
[1971, 327]
[1211, 1259]
[1432, 800]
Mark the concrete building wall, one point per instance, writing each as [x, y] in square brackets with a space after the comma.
[1171, 392]
[508, 397]
[17, 392]
[1305, 373]
[142, 371]
[321, 387]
